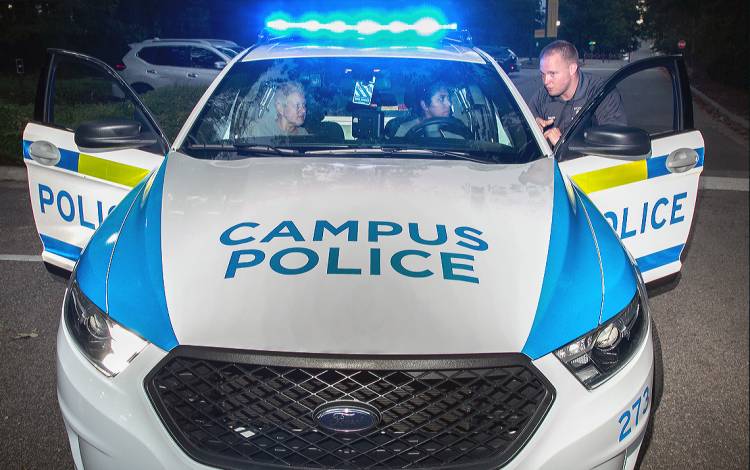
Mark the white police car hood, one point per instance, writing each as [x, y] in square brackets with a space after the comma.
[251, 257]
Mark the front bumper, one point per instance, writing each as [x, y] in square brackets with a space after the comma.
[112, 424]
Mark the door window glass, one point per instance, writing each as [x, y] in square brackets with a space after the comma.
[84, 92]
[203, 58]
[644, 100]
[150, 55]
[648, 100]
[175, 56]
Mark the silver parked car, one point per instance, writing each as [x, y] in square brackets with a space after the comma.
[156, 63]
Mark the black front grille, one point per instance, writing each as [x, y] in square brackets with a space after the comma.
[238, 409]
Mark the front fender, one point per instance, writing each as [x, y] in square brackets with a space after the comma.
[570, 302]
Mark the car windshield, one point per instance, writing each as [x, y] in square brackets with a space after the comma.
[354, 106]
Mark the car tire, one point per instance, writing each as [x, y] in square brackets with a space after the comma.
[656, 392]
[658, 387]
[141, 88]
[56, 271]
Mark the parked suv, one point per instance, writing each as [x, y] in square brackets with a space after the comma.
[505, 57]
[156, 62]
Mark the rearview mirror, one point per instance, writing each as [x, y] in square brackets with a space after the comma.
[219, 64]
[112, 134]
[626, 143]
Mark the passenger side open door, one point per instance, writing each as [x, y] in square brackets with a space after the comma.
[647, 195]
[82, 105]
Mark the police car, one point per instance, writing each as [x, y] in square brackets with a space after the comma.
[372, 286]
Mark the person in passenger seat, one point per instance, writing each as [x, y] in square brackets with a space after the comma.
[291, 110]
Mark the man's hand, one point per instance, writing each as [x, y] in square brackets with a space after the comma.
[553, 135]
[542, 123]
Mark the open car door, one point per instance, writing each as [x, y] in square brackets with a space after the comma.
[647, 195]
[72, 187]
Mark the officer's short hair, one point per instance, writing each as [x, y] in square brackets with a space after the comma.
[566, 50]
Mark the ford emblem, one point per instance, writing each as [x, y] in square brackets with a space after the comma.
[346, 416]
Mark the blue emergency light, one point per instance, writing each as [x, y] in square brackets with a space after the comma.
[407, 27]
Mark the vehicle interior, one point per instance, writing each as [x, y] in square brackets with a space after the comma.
[360, 102]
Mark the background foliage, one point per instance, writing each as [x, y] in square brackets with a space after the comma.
[611, 23]
[716, 33]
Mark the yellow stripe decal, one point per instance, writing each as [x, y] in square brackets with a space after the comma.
[606, 178]
[120, 173]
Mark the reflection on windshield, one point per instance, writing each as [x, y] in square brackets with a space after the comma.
[444, 107]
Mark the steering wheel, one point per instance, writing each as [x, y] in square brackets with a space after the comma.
[431, 127]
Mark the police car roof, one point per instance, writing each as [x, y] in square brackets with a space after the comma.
[292, 50]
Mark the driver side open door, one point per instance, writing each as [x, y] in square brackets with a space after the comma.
[649, 200]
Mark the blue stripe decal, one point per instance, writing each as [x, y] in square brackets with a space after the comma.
[657, 166]
[26, 145]
[91, 271]
[571, 296]
[620, 283]
[68, 160]
[660, 258]
[60, 248]
[135, 290]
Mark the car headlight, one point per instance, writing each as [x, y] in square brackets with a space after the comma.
[598, 355]
[104, 342]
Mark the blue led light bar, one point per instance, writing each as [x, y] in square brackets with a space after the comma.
[413, 26]
[423, 26]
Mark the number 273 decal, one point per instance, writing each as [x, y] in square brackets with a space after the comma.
[638, 408]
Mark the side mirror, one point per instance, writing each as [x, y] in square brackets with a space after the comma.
[219, 64]
[112, 134]
[626, 143]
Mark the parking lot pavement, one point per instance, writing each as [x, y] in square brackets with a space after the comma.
[702, 421]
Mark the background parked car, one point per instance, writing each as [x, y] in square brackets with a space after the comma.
[504, 56]
[156, 63]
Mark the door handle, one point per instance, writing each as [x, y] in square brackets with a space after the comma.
[192, 75]
[682, 160]
[152, 71]
[45, 153]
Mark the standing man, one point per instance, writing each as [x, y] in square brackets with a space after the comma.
[566, 90]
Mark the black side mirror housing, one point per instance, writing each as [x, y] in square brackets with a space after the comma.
[626, 143]
[112, 134]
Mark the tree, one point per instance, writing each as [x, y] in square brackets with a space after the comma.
[612, 24]
[715, 31]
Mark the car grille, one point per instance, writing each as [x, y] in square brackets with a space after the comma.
[240, 409]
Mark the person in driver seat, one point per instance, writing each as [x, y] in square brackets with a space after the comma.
[434, 101]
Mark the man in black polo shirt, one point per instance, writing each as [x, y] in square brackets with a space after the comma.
[566, 90]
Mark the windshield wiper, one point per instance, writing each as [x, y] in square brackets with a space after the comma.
[395, 150]
[438, 153]
[254, 148]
